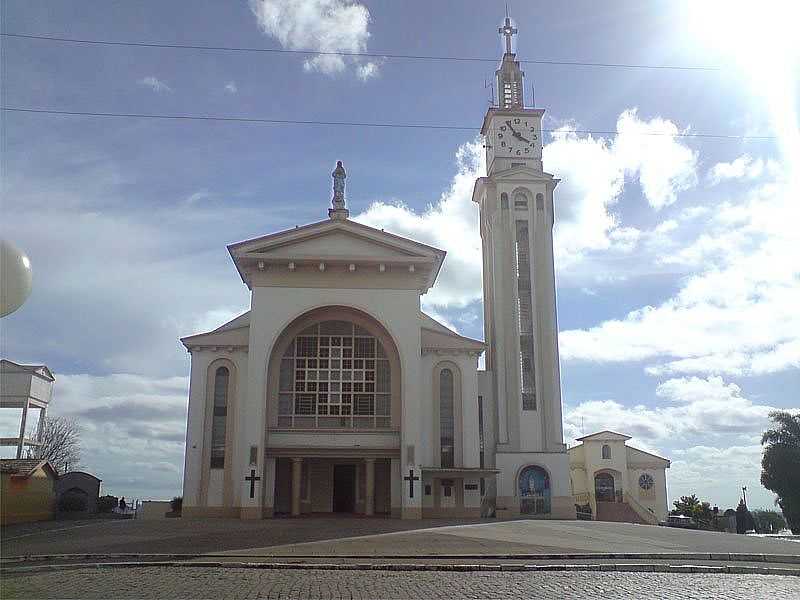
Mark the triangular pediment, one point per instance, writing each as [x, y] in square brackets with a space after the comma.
[332, 239]
[604, 436]
[331, 244]
[336, 246]
[522, 174]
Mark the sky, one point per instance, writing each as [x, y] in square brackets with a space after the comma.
[677, 271]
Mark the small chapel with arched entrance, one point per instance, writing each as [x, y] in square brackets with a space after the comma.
[335, 393]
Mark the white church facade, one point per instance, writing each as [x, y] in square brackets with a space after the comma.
[336, 393]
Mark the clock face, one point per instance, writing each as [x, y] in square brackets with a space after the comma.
[646, 481]
[516, 137]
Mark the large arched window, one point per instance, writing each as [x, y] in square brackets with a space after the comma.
[335, 374]
[221, 379]
[446, 419]
[534, 491]
[605, 451]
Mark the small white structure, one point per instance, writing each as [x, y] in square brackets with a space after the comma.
[618, 482]
[25, 387]
[335, 393]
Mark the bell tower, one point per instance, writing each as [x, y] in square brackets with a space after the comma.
[521, 331]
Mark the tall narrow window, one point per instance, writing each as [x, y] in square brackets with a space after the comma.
[606, 451]
[525, 311]
[481, 444]
[446, 420]
[221, 378]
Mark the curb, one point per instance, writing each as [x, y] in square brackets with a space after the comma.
[619, 568]
[138, 557]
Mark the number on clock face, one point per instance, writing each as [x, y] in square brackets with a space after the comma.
[516, 137]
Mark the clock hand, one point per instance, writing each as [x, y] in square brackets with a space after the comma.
[511, 127]
[520, 138]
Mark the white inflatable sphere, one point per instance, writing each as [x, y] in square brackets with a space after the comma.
[15, 278]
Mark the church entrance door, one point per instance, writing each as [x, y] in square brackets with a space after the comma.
[604, 487]
[344, 488]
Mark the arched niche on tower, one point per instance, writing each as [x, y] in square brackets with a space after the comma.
[521, 198]
[363, 373]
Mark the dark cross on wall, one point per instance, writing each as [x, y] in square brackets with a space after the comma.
[252, 479]
[411, 479]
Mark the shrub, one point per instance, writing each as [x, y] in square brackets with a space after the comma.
[107, 503]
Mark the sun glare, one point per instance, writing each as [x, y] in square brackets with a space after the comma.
[761, 40]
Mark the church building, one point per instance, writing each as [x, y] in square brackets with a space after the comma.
[335, 393]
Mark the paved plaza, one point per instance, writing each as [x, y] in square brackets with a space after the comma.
[369, 537]
[155, 582]
[388, 543]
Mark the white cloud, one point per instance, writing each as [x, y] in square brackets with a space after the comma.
[231, 87]
[647, 149]
[133, 429]
[155, 84]
[325, 26]
[743, 167]
[367, 70]
[736, 314]
[451, 224]
[718, 473]
[706, 407]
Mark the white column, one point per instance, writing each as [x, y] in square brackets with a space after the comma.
[369, 500]
[40, 426]
[297, 472]
[396, 483]
[268, 486]
[21, 441]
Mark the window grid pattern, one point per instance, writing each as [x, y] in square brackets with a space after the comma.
[525, 312]
[335, 375]
[446, 419]
[218, 423]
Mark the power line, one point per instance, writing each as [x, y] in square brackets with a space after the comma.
[363, 124]
[379, 55]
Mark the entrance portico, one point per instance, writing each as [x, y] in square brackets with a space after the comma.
[322, 482]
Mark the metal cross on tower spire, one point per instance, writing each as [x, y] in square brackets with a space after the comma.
[508, 31]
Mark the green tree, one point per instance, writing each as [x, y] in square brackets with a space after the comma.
[686, 506]
[780, 464]
[691, 506]
[768, 521]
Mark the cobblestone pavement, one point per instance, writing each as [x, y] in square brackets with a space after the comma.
[165, 582]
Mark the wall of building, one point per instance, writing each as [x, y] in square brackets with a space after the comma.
[556, 465]
[657, 500]
[27, 499]
[151, 510]
[203, 486]
[626, 465]
[273, 309]
[83, 481]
